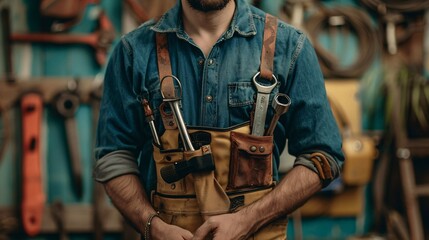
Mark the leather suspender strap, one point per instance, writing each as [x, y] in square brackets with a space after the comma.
[268, 47]
[33, 198]
[164, 65]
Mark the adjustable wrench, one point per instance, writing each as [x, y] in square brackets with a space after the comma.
[281, 103]
[261, 104]
[173, 101]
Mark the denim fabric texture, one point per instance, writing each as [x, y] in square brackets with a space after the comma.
[217, 89]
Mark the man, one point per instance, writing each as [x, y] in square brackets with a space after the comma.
[215, 50]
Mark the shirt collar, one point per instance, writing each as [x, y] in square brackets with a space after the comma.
[242, 22]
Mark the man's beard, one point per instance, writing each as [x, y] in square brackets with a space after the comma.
[208, 5]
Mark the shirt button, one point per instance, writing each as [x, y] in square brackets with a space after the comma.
[201, 61]
[211, 61]
[209, 98]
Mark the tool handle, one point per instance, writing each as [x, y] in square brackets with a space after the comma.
[272, 126]
[281, 104]
[181, 169]
[33, 197]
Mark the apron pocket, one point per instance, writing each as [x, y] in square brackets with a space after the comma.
[251, 161]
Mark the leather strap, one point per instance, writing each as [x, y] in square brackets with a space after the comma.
[164, 65]
[268, 47]
[33, 198]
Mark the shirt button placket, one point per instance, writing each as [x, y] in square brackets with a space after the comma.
[210, 92]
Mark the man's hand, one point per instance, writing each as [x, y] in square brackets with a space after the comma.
[223, 227]
[161, 231]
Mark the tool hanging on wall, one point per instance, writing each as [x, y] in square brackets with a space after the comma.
[58, 215]
[398, 29]
[293, 12]
[4, 132]
[140, 13]
[33, 197]
[64, 13]
[382, 6]
[98, 193]
[7, 49]
[67, 104]
[352, 19]
[101, 40]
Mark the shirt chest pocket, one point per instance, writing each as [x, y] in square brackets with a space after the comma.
[241, 98]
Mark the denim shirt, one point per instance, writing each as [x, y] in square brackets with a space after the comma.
[217, 92]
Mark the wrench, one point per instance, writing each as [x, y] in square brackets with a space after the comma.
[101, 40]
[281, 103]
[67, 104]
[261, 105]
[173, 101]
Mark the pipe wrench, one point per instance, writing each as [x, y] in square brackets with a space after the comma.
[261, 104]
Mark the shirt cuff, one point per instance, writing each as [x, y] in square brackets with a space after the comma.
[304, 160]
[115, 164]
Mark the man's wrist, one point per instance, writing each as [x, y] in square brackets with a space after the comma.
[156, 227]
[247, 220]
[148, 225]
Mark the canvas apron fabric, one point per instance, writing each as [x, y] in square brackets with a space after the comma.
[243, 162]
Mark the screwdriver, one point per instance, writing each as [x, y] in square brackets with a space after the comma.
[150, 120]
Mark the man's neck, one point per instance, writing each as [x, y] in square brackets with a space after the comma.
[205, 28]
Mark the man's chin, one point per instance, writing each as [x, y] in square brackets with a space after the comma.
[208, 5]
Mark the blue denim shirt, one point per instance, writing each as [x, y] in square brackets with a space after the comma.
[217, 91]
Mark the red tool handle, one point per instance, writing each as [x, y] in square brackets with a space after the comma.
[33, 197]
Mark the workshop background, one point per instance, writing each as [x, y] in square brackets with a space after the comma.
[374, 56]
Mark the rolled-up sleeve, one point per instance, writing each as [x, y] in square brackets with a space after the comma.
[310, 124]
[119, 132]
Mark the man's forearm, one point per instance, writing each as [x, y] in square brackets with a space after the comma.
[128, 196]
[294, 189]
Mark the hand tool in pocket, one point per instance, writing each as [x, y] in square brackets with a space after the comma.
[181, 169]
[100, 40]
[66, 104]
[173, 101]
[261, 104]
[33, 198]
[150, 120]
[281, 103]
[167, 116]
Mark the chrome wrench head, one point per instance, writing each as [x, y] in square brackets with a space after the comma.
[261, 104]
[264, 88]
[281, 103]
[170, 96]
